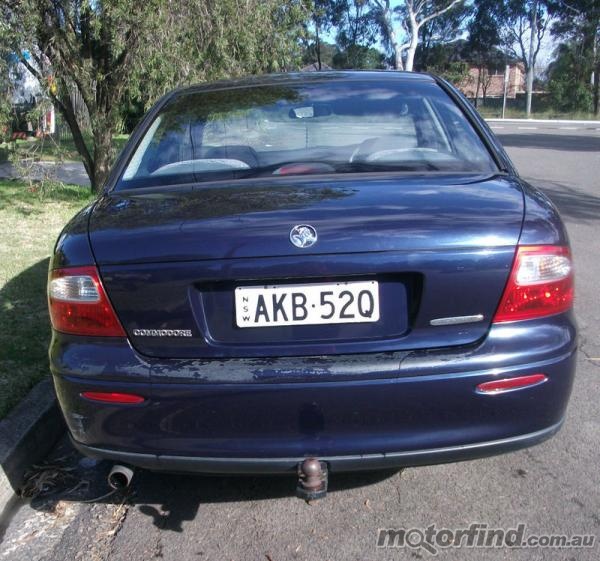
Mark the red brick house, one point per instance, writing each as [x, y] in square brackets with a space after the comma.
[491, 82]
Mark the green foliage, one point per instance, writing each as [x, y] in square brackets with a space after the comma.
[327, 52]
[484, 31]
[209, 40]
[5, 82]
[567, 95]
[577, 23]
[357, 29]
[568, 79]
[435, 48]
[355, 23]
[456, 72]
[359, 57]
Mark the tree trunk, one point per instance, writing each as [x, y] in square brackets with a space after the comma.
[103, 157]
[414, 42]
[387, 18]
[398, 64]
[597, 91]
[596, 80]
[63, 102]
[318, 46]
[410, 55]
[530, 65]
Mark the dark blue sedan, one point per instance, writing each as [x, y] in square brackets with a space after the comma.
[343, 267]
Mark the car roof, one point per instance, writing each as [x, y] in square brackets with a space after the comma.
[300, 78]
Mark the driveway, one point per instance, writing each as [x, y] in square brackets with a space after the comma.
[67, 172]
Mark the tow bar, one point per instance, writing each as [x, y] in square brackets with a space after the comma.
[312, 480]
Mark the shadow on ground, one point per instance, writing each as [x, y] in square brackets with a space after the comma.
[168, 499]
[548, 141]
[25, 334]
[572, 203]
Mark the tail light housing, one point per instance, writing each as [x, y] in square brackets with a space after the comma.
[540, 284]
[78, 303]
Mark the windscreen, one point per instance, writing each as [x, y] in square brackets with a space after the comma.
[328, 127]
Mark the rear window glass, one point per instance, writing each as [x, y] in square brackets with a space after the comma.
[323, 128]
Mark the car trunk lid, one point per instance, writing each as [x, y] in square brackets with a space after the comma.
[438, 246]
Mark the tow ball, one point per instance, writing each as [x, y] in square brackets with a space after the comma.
[312, 480]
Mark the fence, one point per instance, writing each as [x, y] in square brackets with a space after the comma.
[62, 132]
[492, 106]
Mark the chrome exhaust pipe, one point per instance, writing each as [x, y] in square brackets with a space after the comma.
[120, 477]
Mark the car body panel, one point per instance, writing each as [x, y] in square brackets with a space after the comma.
[351, 215]
[173, 260]
[351, 404]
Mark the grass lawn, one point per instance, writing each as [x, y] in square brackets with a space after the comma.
[494, 113]
[29, 226]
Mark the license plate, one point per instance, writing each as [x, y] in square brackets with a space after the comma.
[307, 304]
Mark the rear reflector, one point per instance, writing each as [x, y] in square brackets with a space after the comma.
[78, 303]
[113, 397]
[540, 284]
[507, 384]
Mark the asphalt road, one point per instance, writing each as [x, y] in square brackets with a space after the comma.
[552, 488]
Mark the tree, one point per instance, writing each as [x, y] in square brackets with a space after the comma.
[327, 53]
[456, 72]
[323, 15]
[524, 25]
[410, 16]
[568, 79]
[578, 23]
[355, 24]
[6, 66]
[483, 41]
[105, 50]
[359, 57]
[356, 34]
[436, 34]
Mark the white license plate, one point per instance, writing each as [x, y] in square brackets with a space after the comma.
[307, 304]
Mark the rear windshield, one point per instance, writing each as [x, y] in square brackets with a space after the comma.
[323, 128]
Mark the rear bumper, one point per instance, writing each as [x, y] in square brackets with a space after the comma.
[246, 466]
[353, 411]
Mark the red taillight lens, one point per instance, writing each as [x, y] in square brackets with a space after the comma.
[507, 384]
[78, 303]
[540, 284]
[113, 397]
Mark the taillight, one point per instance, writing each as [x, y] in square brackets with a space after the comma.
[494, 387]
[114, 397]
[78, 303]
[540, 284]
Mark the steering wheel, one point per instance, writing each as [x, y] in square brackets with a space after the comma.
[385, 154]
[367, 151]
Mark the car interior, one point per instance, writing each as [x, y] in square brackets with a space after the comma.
[407, 133]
